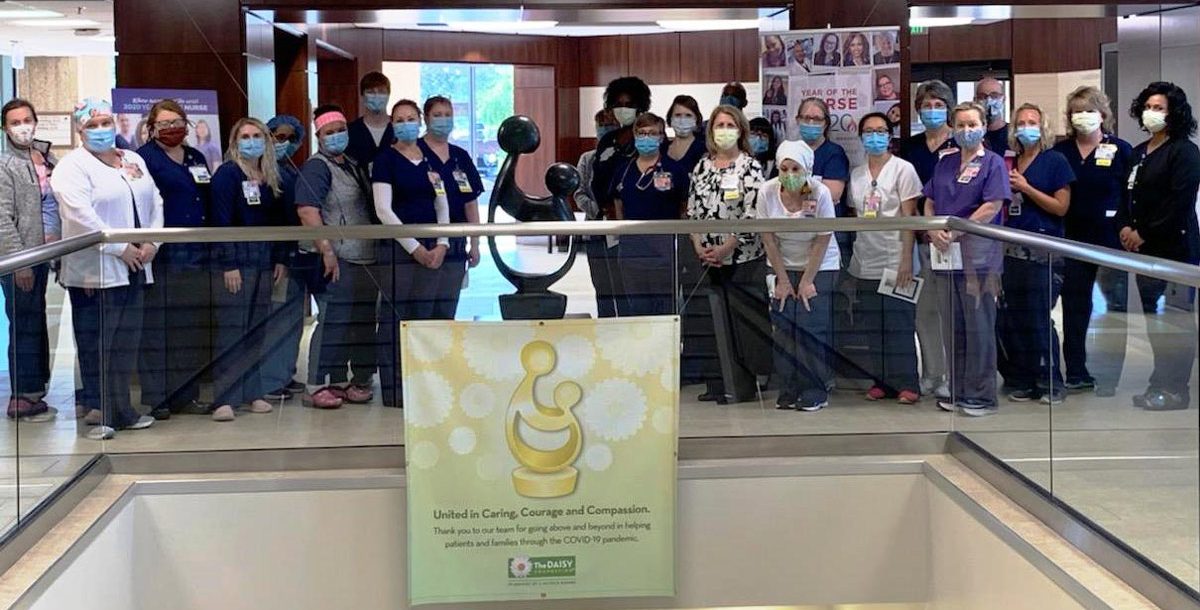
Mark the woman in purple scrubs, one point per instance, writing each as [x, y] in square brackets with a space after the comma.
[971, 183]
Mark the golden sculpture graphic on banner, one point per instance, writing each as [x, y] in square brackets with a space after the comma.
[543, 473]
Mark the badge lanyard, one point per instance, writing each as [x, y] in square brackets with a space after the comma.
[872, 203]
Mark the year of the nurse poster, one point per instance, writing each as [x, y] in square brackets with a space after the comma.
[541, 458]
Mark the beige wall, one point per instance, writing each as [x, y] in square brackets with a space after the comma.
[1050, 91]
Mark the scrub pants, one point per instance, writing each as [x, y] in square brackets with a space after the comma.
[409, 292]
[803, 340]
[176, 335]
[108, 332]
[1030, 291]
[284, 330]
[241, 338]
[969, 332]
[28, 341]
[345, 331]
[1172, 334]
[1108, 358]
[606, 275]
[647, 267]
[890, 324]
[453, 273]
[742, 290]
[929, 324]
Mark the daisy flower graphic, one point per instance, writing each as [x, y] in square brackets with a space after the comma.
[520, 566]
[494, 352]
[430, 399]
[613, 410]
[635, 349]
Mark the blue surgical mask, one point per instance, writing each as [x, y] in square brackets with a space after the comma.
[100, 139]
[335, 143]
[968, 138]
[995, 108]
[1029, 135]
[376, 102]
[603, 130]
[731, 100]
[758, 144]
[683, 124]
[646, 145]
[407, 132]
[811, 133]
[933, 118]
[875, 143]
[252, 148]
[282, 150]
[441, 126]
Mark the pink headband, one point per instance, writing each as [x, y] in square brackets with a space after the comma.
[329, 117]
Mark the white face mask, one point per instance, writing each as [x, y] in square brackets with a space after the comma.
[1154, 121]
[625, 116]
[22, 134]
[1086, 122]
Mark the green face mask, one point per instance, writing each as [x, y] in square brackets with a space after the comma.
[791, 182]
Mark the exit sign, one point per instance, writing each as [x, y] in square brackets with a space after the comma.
[916, 30]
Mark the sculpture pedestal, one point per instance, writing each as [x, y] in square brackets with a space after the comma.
[533, 306]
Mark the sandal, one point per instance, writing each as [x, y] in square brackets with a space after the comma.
[324, 398]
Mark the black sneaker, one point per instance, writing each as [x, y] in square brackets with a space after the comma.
[161, 413]
[1054, 397]
[279, 394]
[785, 403]
[1165, 401]
[1024, 395]
[1080, 385]
[810, 406]
[295, 387]
[194, 407]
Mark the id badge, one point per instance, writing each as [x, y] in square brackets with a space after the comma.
[1105, 153]
[1014, 206]
[251, 192]
[730, 189]
[460, 178]
[200, 174]
[968, 174]
[1133, 176]
[871, 205]
[438, 188]
[662, 181]
[808, 208]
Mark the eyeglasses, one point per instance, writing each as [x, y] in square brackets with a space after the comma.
[647, 134]
[281, 138]
[812, 120]
[880, 130]
[170, 124]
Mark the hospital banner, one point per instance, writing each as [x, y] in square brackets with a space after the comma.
[855, 71]
[204, 132]
[541, 458]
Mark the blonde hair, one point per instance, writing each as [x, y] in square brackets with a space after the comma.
[266, 163]
[1047, 139]
[1096, 100]
[968, 107]
[743, 128]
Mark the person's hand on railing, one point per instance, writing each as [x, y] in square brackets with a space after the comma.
[332, 272]
[147, 252]
[24, 279]
[280, 272]
[132, 257]
[941, 239]
[233, 281]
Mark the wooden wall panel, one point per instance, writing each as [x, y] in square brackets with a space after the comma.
[541, 105]
[292, 81]
[569, 143]
[137, 24]
[972, 42]
[918, 50]
[1077, 44]
[655, 58]
[746, 54]
[475, 48]
[706, 57]
[601, 59]
[336, 84]
[850, 13]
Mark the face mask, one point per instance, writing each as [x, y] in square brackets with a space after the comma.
[376, 102]
[726, 137]
[968, 138]
[603, 130]
[758, 144]
[441, 126]
[252, 148]
[335, 143]
[731, 100]
[791, 182]
[100, 139]
[171, 136]
[995, 108]
[875, 143]
[1154, 121]
[1086, 122]
[625, 116]
[683, 124]
[21, 135]
[933, 118]
[646, 145]
[282, 150]
[811, 133]
[1029, 135]
[406, 132]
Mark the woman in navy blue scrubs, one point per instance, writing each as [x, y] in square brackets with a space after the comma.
[463, 188]
[688, 146]
[407, 190]
[1041, 187]
[647, 188]
[175, 322]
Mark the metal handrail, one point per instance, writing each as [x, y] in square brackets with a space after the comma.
[1180, 273]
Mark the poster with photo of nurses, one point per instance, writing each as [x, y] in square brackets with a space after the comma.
[204, 134]
[855, 71]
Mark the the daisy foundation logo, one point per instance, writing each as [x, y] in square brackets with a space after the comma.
[521, 567]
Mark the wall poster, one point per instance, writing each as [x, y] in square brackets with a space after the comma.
[131, 105]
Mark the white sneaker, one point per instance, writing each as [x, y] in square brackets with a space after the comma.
[260, 406]
[101, 433]
[142, 423]
[223, 413]
[93, 417]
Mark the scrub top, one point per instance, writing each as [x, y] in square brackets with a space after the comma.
[690, 159]
[996, 140]
[955, 196]
[1048, 173]
[239, 202]
[288, 176]
[914, 150]
[611, 154]
[654, 195]
[186, 190]
[831, 163]
[463, 186]
[1162, 200]
[413, 194]
[1098, 190]
[363, 146]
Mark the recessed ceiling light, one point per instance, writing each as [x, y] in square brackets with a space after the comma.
[56, 23]
[701, 25]
[28, 14]
[938, 22]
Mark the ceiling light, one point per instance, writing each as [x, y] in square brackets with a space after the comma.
[502, 26]
[701, 25]
[938, 22]
[28, 14]
[56, 23]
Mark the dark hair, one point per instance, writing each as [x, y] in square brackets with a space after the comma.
[1180, 121]
[15, 103]
[634, 87]
[438, 99]
[647, 119]
[875, 115]
[737, 90]
[326, 109]
[763, 125]
[688, 102]
[159, 106]
[406, 102]
[373, 80]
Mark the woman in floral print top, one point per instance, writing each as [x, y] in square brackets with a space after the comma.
[725, 186]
